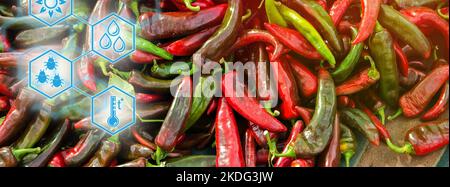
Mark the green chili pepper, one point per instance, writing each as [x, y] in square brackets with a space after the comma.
[345, 69]
[358, 120]
[308, 30]
[37, 128]
[382, 51]
[404, 30]
[170, 70]
[149, 47]
[203, 95]
[193, 161]
[10, 157]
[273, 14]
[348, 144]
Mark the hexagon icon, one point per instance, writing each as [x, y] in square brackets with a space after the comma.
[50, 12]
[113, 37]
[50, 74]
[113, 110]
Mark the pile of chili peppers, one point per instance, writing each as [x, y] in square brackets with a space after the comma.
[342, 67]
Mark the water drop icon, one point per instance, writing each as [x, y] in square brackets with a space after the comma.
[105, 41]
[113, 28]
[119, 45]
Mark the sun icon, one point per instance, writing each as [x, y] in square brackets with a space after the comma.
[51, 6]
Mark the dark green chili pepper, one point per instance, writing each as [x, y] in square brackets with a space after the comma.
[106, 153]
[41, 35]
[345, 69]
[322, 20]
[170, 70]
[358, 120]
[307, 30]
[193, 161]
[51, 147]
[203, 95]
[404, 30]
[10, 157]
[149, 47]
[347, 144]
[36, 129]
[382, 50]
[273, 15]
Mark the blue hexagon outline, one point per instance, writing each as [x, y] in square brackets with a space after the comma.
[30, 12]
[133, 118]
[41, 92]
[133, 46]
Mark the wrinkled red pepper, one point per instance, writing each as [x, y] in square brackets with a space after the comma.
[428, 137]
[370, 10]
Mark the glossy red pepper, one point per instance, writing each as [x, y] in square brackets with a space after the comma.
[57, 160]
[440, 106]
[248, 107]
[428, 137]
[287, 89]
[306, 80]
[142, 57]
[293, 40]
[188, 45]
[250, 149]
[425, 17]
[338, 10]
[370, 11]
[402, 62]
[256, 35]
[360, 81]
[296, 130]
[416, 100]
[228, 144]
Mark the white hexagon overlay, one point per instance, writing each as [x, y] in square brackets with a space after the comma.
[50, 74]
[113, 110]
[50, 12]
[113, 37]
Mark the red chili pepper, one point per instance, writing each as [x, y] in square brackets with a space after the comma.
[402, 63]
[439, 107]
[86, 73]
[305, 114]
[148, 98]
[228, 144]
[381, 128]
[428, 137]
[202, 4]
[248, 107]
[287, 89]
[250, 149]
[296, 130]
[303, 163]
[4, 44]
[338, 10]
[346, 101]
[190, 44]
[417, 99]
[360, 81]
[425, 17]
[212, 107]
[4, 103]
[306, 80]
[293, 40]
[370, 10]
[142, 57]
[256, 35]
[57, 160]
[262, 156]
[84, 124]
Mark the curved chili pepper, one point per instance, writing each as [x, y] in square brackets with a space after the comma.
[52, 146]
[18, 116]
[345, 69]
[193, 161]
[382, 51]
[273, 15]
[149, 47]
[250, 149]
[177, 117]
[188, 45]
[416, 100]
[10, 157]
[403, 63]
[202, 97]
[425, 17]
[228, 144]
[319, 16]
[170, 70]
[164, 25]
[308, 31]
[293, 40]
[404, 30]
[306, 80]
[360, 81]
[287, 89]
[36, 130]
[146, 98]
[256, 35]
[331, 157]
[428, 137]
[370, 12]
[347, 144]
[244, 104]
[84, 149]
[358, 120]
[296, 130]
[338, 10]
[106, 153]
[439, 107]
[225, 36]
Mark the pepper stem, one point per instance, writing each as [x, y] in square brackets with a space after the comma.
[290, 152]
[159, 155]
[20, 153]
[348, 156]
[247, 15]
[396, 115]
[373, 72]
[382, 115]
[406, 149]
[274, 113]
[188, 5]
